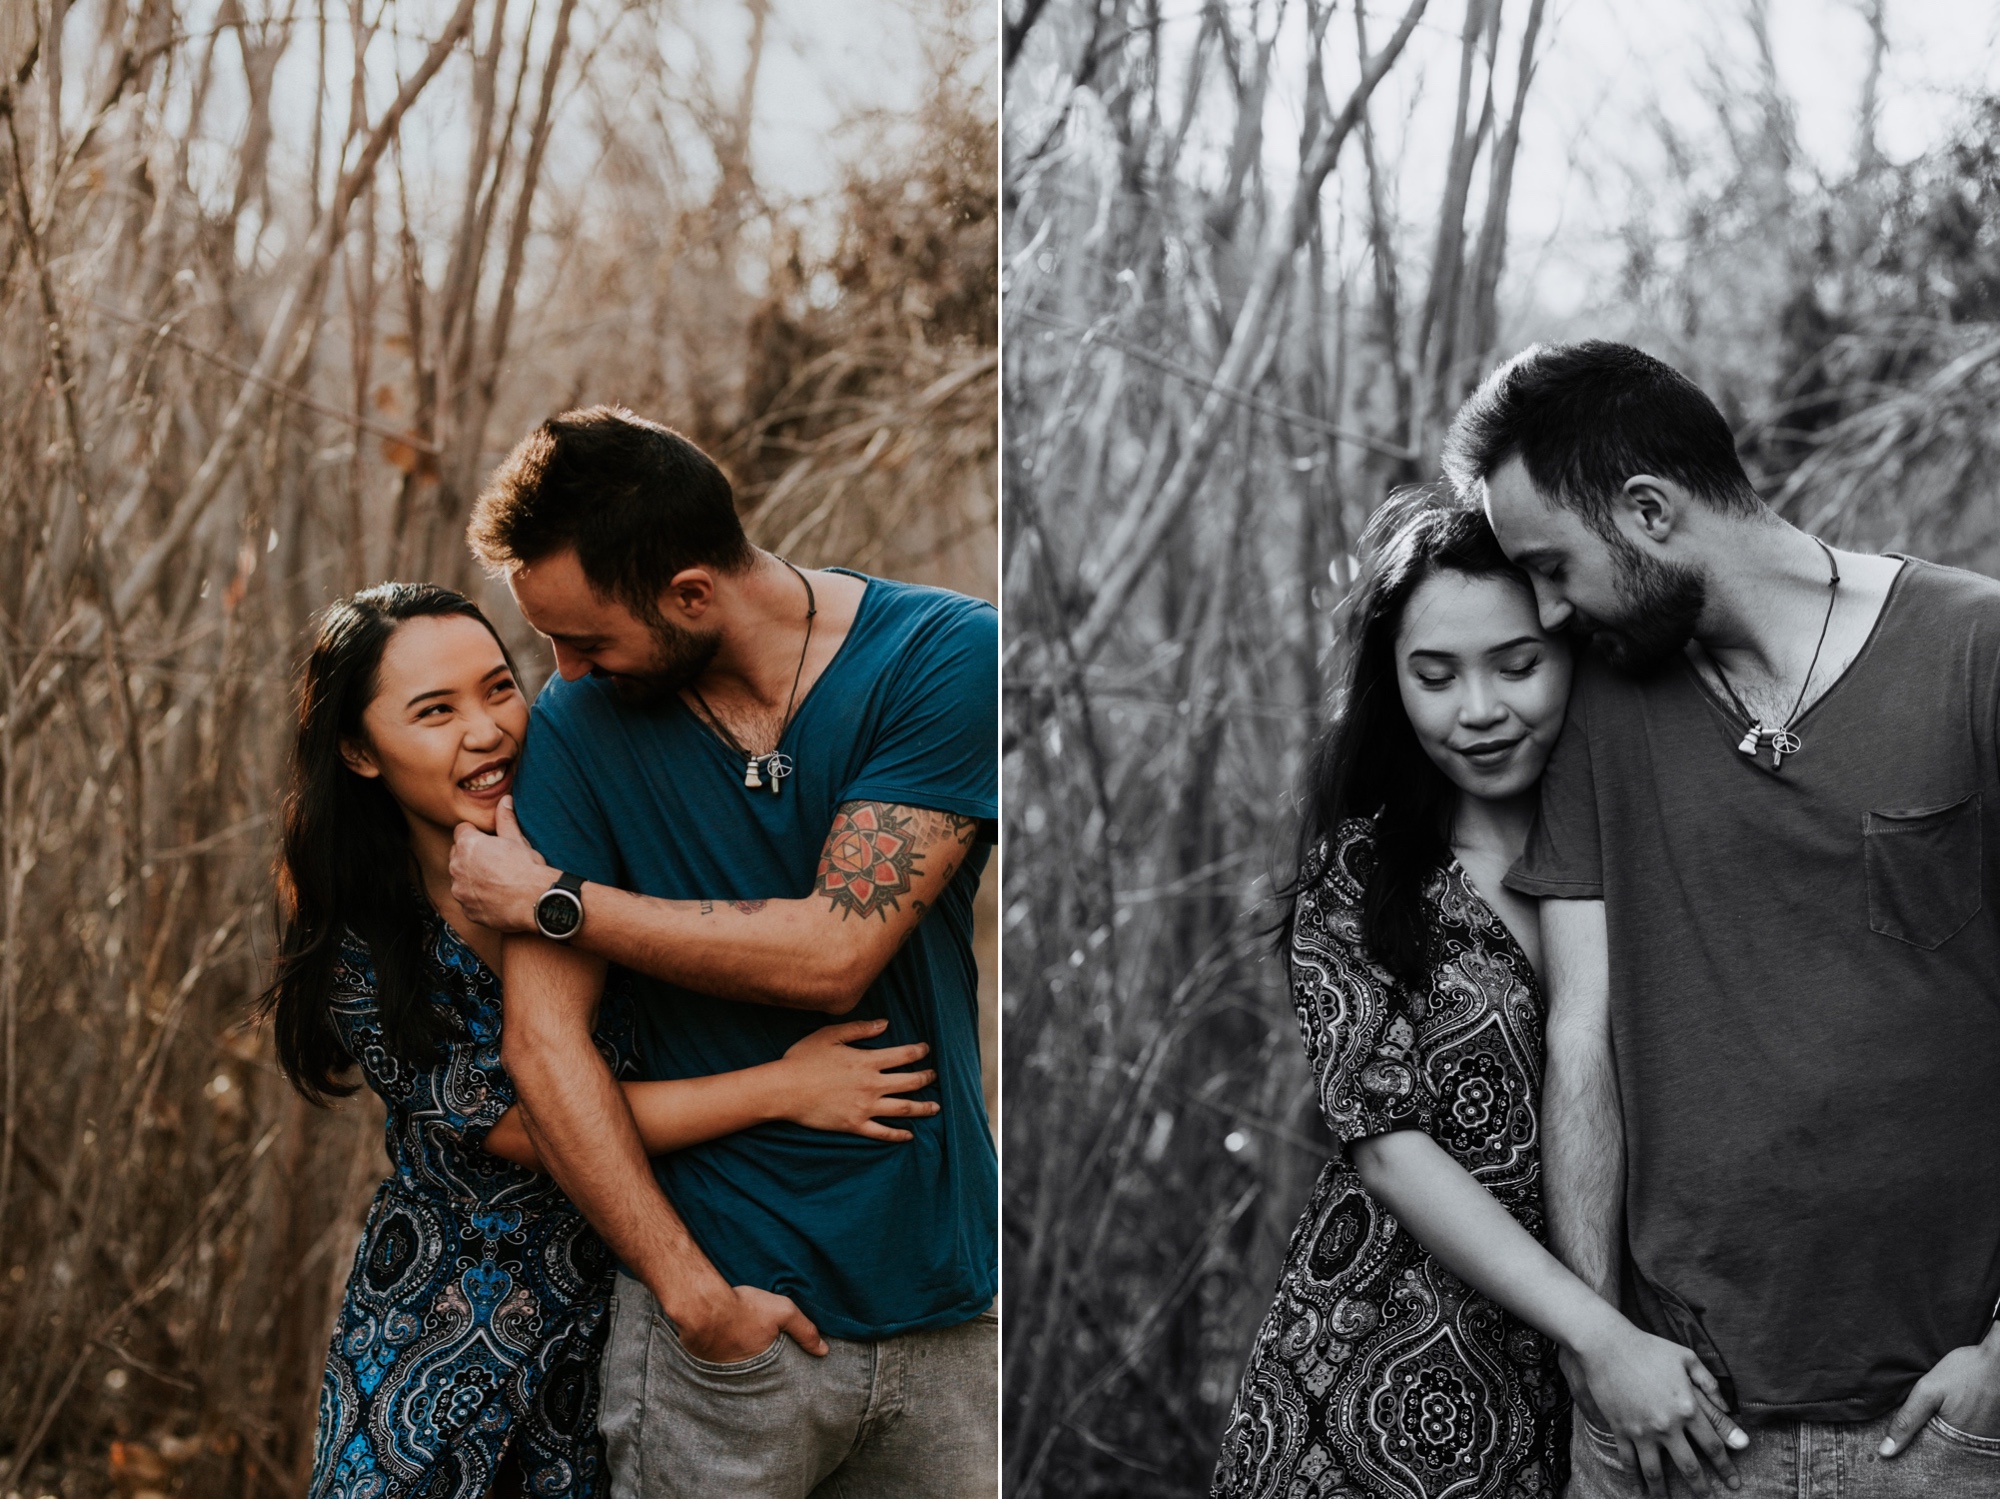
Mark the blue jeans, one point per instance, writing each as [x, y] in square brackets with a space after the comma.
[1813, 1460]
[912, 1417]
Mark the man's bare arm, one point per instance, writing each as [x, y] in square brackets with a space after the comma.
[883, 865]
[1583, 1132]
[582, 1129]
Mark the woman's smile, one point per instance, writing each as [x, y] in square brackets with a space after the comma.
[1489, 754]
[490, 781]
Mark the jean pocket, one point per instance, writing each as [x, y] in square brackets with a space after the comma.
[1602, 1443]
[1985, 1446]
[1926, 871]
[748, 1365]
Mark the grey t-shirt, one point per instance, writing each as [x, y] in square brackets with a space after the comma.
[1805, 1002]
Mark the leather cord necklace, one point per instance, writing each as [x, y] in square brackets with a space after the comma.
[774, 764]
[1783, 741]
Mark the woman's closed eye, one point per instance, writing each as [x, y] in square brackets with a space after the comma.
[1520, 668]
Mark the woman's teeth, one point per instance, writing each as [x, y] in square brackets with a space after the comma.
[486, 780]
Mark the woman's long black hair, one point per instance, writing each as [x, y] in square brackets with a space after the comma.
[344, 861]
[1368, 762]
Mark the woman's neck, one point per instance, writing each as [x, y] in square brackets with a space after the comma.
[430, 847]
[1499, 826]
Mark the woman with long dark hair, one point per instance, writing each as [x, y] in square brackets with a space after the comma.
[464, 1359]
[1411, 1351]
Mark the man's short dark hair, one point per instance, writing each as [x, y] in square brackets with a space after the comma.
[1583, 418]
[636, 501]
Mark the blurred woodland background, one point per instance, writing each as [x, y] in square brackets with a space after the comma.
[279, 281]
[1254, 254]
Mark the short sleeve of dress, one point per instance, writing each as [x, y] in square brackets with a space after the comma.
[1360, 1033]
[1564, 858]
[461, 1095]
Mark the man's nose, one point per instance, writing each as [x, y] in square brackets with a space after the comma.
[1551, 606]
[569, 665]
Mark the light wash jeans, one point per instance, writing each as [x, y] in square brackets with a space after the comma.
[1813, 1460]
[914, 1417]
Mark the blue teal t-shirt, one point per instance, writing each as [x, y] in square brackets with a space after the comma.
[872, 1238]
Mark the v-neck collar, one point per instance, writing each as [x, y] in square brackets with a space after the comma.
[1508, 942]
[1731, 721]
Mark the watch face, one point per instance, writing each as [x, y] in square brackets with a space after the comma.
[558, 913]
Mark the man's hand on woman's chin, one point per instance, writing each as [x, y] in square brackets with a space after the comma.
[1963, 1391]
[498, 878]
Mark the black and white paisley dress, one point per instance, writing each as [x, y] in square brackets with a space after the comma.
[475, 1311]
[1378, 1372]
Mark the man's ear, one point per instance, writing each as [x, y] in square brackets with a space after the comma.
[691, 592]
[1653, 505]
[357, 757]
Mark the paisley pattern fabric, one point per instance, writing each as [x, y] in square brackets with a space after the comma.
[1378, 1372]
[475, 1312]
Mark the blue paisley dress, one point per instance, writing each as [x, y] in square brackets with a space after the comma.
[476, 1308]
[1378, 1374]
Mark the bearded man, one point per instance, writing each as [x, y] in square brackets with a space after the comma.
[765, 794]
[1765, 854]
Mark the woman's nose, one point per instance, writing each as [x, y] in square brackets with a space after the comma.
[1480, 706]
[482, 731]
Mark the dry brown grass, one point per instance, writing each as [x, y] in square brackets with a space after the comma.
[237, 387]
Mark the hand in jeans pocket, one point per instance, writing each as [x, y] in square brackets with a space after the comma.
[1962, 1392]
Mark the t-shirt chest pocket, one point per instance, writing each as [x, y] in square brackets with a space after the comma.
[1926, 870]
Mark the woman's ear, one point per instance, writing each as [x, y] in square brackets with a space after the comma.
[358, 758]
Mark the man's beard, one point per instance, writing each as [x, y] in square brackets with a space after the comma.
[679, 658]
[1659, 605]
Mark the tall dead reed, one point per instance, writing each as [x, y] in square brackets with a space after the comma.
[280, 279]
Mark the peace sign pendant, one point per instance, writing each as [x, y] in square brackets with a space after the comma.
[1784, 742]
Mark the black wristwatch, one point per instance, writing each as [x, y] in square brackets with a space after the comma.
[559, 913]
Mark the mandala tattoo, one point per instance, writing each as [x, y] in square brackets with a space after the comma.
[870, 858]
[876, 851]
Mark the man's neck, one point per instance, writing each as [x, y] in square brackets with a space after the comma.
[1774, 616]
[765, 634]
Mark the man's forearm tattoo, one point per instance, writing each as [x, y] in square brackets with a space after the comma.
[876, 850]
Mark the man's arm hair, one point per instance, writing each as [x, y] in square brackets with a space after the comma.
[582, 1128]
[1583, 1130]
[883, 865]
